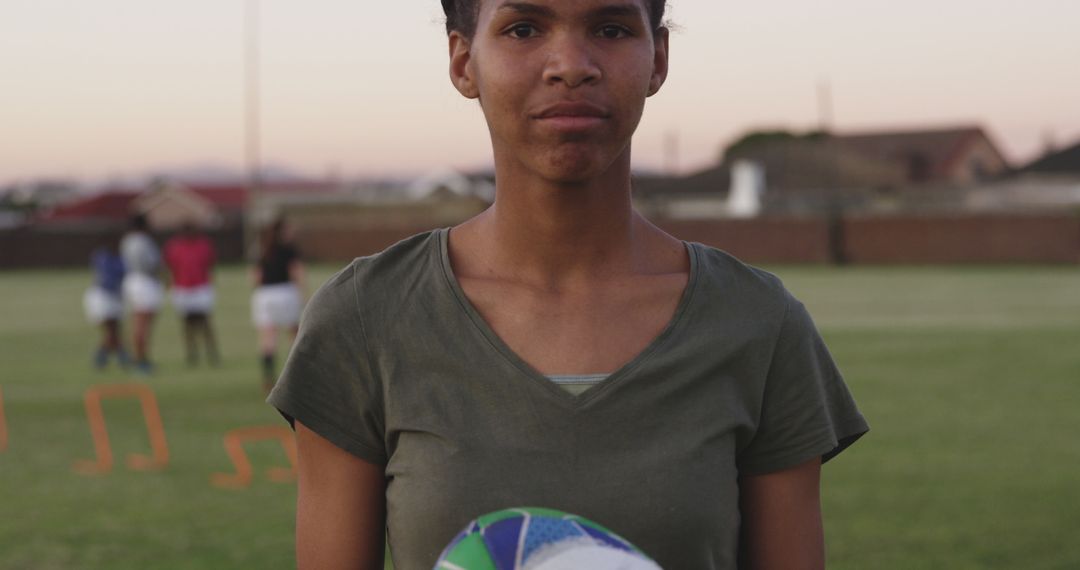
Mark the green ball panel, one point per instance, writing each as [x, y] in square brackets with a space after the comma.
[471, 553]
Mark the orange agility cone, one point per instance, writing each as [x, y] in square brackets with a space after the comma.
[96, 417]
[234, 445]
[3, 425]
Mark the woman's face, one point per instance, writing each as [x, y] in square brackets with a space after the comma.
[562, 82]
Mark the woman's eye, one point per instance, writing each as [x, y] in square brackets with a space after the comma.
[522, 31]
[613, 32]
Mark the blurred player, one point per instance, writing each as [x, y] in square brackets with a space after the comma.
[190, 258]
[142, 290]
[278, 276]
[104, 304]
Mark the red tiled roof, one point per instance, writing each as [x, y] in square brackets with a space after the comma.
[115, 205]
[227, 198]
[112, 205]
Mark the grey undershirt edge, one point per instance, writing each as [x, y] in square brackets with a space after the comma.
[577, 383]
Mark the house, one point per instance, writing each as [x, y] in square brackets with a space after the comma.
[168, 204]
[905, 158]
[949, 156]
[1063, 162]
[449, 183]
[818, 175]
[106, 208]
[732, 190]
[823, 173]
[442, 197]
[1048, 183]
[364, 218]
[38, 194]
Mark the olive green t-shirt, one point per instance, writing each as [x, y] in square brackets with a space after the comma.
[394, 365]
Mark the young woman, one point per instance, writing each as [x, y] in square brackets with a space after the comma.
[278, 277]
[558, 350]
[190, 257]
[104, 303]
[142, 289]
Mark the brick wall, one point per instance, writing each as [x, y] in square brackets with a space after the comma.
[31, 247]
[937, 239]
[343, 244]
[865, 240]
[762, 240]
[962, 239]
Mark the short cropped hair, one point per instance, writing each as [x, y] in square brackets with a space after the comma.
[461, 15]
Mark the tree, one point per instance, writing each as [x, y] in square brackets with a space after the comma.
[757, 138]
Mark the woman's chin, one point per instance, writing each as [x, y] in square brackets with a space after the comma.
[570, 165]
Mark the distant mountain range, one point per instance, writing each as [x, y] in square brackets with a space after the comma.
[199, 173]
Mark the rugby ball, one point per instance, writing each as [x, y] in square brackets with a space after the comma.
[531, 538]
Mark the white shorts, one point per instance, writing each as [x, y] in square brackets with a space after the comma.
[276, 305]
[142, 292]
[101, 305]
[193, 299]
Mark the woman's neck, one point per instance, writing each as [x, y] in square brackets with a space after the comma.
[553, 234]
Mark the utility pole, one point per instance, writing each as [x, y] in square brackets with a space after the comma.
[836, 205]
[825, 105]
[252, 157]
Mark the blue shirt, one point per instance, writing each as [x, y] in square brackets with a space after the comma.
[108, 270]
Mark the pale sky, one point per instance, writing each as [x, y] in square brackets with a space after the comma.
[93, 89]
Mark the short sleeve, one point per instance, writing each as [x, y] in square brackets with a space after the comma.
[327, 383]
[807, 410]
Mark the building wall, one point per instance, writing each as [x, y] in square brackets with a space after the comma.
[862, 240]
[343, 244]
[908, 239]
[759, 240]
[71, 246]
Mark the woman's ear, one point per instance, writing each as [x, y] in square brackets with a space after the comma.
[461, 71]
[660, 60]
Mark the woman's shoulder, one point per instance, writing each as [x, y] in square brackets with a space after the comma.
[718, 268]
[736, 292]
[399, 263]
[382, 278]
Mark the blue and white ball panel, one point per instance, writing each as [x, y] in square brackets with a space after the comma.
[539, 539]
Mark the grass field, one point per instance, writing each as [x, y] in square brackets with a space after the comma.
[969, 377]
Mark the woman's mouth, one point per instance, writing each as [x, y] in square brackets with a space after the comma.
[572, 116]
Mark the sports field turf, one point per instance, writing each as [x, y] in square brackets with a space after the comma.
[970, 378]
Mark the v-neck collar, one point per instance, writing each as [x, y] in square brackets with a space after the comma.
[604, 386]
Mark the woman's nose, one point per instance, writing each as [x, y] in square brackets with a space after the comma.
[571, 62]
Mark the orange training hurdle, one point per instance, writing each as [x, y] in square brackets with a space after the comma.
[3, 425]
[96, 417]
[234, 445]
